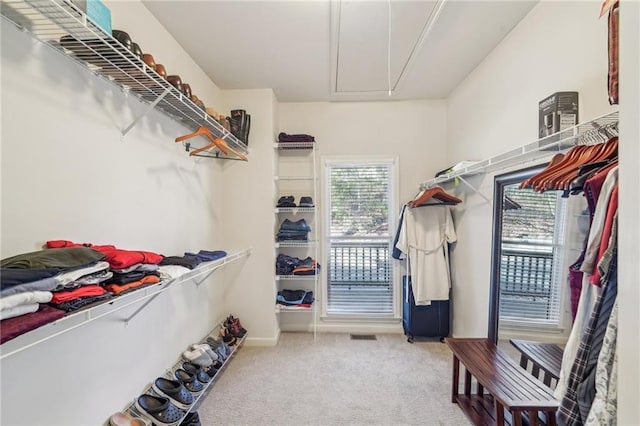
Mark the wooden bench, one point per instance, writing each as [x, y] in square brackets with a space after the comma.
[543, 356]
[506, 393]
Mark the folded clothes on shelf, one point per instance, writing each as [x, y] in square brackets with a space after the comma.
[283, 137]
[298, 230]
[207, 256]
[288, 265]
[14, 327]
[294, 297]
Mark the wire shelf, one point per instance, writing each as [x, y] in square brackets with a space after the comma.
[596, 131]
[287, 146]
[294, 243]
[295, 209]
[62, 26]
[281, 308]
[85, 316]
[296, 277]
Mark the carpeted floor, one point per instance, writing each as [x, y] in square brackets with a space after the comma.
[335, 381]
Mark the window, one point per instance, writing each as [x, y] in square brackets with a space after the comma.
[359, 277]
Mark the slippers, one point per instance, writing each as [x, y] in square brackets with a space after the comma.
[197, 371]
[159, 409]
[174, 391]
[198, 356]
[189, 381]
[123, 419]
[207, 349]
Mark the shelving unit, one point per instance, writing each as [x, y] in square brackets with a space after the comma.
[586, 133]
[86, 316]
[299, 179]
[50, 20]
[169, 374]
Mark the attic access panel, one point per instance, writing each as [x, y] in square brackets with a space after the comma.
[360, 41]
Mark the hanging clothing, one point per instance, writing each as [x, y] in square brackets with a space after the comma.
[576, 403]
[425, 232]
[604, 409]
[396, 253]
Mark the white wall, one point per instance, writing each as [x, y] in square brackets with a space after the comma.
[249, 220]
[66, 174]
[558, 46]
[412, 131]
[629, 268]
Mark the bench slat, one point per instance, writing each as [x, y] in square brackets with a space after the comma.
[547, 356]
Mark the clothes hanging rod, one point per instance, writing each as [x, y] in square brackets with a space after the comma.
[587, 133]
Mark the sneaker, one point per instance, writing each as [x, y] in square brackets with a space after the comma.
[306, 202]
[192, 419]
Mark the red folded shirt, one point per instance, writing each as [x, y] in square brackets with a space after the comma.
[117, 258]
[84, 291]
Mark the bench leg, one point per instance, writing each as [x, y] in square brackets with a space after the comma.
[456, 378]
[551, 418]
[480, 389]
[533, 418]
[467, 383]
[516, 417]
[499, 412]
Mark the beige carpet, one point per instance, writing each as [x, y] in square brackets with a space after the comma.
[335, 381]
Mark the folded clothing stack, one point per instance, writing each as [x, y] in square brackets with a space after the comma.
[283, 137]
[298, 298]
[298, 230]
[289, 265]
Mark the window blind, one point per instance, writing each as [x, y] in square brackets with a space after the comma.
[359, 266]
[531, 269]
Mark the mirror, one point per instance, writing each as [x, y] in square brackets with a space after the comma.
[527, 273]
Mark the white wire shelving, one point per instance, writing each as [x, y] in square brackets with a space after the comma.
[295, 210]
[294, 145]
[85, 316]
[587, 133]
[294, 243]
[61, 25]
[295, 277]
[283, 308]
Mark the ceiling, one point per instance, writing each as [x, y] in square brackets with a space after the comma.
[340, 50]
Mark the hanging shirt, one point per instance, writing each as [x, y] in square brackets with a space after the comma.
[425, 230]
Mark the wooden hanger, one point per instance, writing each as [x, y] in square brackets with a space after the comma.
[435, 192]
[219, 143]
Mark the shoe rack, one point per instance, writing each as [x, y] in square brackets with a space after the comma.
[101, 54]
[169, 374]
[297, 176]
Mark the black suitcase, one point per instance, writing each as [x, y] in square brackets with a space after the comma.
[424, 321]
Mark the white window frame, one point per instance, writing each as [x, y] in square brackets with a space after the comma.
[328, 162]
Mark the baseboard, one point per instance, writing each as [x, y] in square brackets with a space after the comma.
[263, 341]
[361, 328]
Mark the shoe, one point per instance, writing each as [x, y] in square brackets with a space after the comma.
[306, 202]
[227, 337]
[286, 201]
[124, 419]
[174, 391]
[198, 356]
[234, 327]
[207, 349]
[197, 371]
[210, 370]
[158, 409]
[189, 381]
[192, 419]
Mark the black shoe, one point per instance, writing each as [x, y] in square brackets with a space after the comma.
[192, 419]
[306, 202]
[190, 381]
[197, 370]
[158, 409]
[172, 389]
